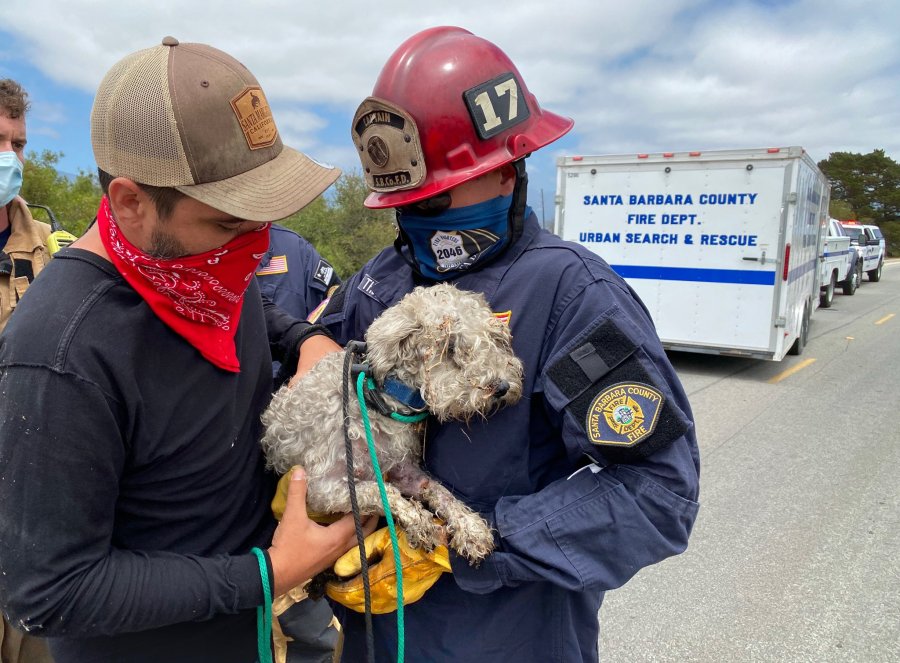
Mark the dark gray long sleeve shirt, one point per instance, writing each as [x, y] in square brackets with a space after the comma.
[132, 486]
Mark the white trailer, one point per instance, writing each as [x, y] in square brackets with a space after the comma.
[723, 247]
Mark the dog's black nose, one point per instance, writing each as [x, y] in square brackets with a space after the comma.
[501, 389]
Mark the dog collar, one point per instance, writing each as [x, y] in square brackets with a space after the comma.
[408, 396]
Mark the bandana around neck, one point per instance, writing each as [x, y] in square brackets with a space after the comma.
[198, 297]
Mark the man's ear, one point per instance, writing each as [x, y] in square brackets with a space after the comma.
[133, 210]
[507, 179]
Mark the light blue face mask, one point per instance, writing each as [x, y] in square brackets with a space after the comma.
[456, 240]
[10, 177]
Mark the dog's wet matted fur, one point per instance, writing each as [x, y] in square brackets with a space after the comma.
[444, 343]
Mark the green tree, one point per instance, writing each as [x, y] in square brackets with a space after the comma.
[74, 201]
[342, 229]
[870, 185]
[841, 209]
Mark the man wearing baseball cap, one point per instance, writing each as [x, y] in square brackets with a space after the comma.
[134, 505]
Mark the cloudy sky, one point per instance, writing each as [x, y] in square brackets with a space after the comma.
[637, 76]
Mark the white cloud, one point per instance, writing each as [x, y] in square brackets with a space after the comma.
[49, 132]
[637, 76]
[46, 111]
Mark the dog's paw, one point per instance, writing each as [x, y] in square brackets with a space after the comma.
[423, 535]
[471, 537]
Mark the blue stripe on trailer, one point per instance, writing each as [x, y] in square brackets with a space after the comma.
[746, 277]
[798, 271]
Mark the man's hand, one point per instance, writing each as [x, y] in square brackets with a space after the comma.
[420, 569]
[311, 351]
[301, 548]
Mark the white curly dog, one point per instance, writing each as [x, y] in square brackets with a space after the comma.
[439, 347]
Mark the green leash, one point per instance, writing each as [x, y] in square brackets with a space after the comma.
[264, 612]
[361, 381]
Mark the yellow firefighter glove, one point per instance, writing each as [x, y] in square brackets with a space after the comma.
[280, 500]
[420, 568]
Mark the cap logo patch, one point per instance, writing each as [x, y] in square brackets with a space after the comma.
[255, 117]
[624, 414]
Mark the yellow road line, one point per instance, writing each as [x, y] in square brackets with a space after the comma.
[886, 318]
[789, 372]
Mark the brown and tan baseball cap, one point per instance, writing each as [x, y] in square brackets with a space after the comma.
[191, 117]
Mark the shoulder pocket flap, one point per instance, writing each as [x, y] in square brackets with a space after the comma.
[590, 357]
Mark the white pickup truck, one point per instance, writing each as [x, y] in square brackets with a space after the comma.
[871, 246]
[836, 261]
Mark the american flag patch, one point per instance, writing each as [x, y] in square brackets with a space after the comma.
[277, 265]
[504, 317]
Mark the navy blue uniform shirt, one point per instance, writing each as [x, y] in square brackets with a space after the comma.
[295, 277]
[293, 274]
[592, 476]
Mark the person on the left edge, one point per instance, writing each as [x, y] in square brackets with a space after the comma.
[23, 241]
[135, 520]
[23, 253]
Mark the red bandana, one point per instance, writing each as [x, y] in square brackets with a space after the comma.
[199, 297]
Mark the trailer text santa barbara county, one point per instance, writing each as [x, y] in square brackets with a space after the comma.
[723, 247]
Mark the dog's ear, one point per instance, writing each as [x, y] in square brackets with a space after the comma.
[392, 341]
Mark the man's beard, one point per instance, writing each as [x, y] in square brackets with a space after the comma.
[164, 246]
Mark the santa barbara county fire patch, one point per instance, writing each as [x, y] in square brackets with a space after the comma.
[624, 414]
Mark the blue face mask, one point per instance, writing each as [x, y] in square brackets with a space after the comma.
[10, 177]
[455, 241]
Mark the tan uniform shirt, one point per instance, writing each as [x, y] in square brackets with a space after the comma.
[27, 241]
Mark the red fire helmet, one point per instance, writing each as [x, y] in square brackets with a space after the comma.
[447, 107]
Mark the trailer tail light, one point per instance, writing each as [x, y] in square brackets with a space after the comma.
[774, 150]
[668, 155]
[577, 158]
[693, 154]
[642, 156]
[787, 262]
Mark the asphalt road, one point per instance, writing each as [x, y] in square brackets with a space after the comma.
[795, 555]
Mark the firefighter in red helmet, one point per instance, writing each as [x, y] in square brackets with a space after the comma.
[447, 109]
[594, 473]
